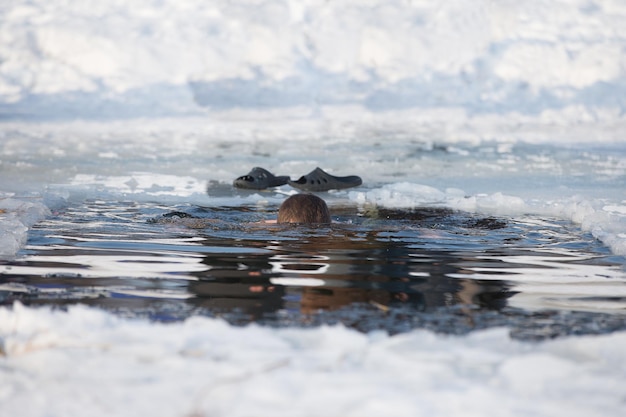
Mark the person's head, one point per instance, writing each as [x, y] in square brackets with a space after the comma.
[303, 208]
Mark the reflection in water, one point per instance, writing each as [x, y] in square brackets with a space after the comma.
[117, 256]
[332, 267]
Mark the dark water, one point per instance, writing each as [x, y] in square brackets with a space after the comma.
[386, 269]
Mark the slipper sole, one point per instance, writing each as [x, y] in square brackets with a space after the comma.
[258, 179]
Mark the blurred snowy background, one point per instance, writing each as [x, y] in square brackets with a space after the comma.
[558, 61]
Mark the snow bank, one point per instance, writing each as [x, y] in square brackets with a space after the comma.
[112, 59]
[63, 363]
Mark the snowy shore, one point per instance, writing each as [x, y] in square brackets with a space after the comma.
[494, 107]
[206, 367]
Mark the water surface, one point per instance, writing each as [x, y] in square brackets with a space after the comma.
[390, 269]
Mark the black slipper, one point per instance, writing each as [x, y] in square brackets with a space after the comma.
[318, 180]
[259, 179]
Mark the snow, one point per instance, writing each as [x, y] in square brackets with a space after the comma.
[494, 107]
[203, 366]
[68, 59]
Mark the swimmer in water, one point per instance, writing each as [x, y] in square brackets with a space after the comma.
[303, 208]
[296, 209]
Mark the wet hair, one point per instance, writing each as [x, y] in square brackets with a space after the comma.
[303, 208]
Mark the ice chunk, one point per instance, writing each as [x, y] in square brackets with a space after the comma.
[16, 216]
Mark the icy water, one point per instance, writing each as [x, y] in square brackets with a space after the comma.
[390, 269]
[487, 240]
